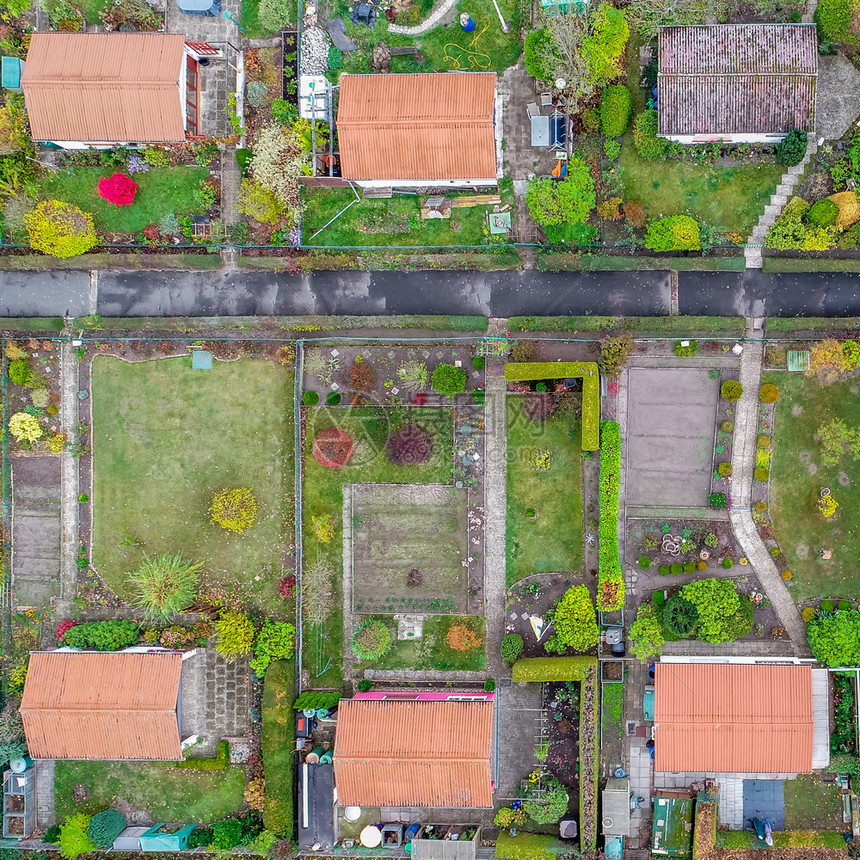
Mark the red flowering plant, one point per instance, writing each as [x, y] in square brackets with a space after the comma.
[63, 627]
[119, 189]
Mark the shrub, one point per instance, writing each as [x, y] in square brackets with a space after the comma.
[644, 562]
[60, 229]
[275, 641]
[833, 18]
[762, 474]
[103, 635]
[507, 817]
[727, 426]
[692, 348]
[701, 565]
[218, 762]
[677, 568]
[105, 826]
[763, 441]
[731, 390]
[361, 376]
[710, 539]
[835, 639]
[848, 206]
[259, 203]
[827, 606]
[489, 686]
[634, 212]
[279, 160]
[664, 570]
[544, 669]
[552, 807]
[234, 510]
[851, 354]
[227, 834]
[364, 685]
[575, 622]
[610, 578]
[278, 747]
[717, 602]
[479, 362]
[645, 139]
[823, 213]
[310, 398]
[461, 637]
[791, 149]
[322, 527]
[536, 43]
[612, 149]
[333, 398]
[680, 618]
[52, 834]
[118, 189]
[74, 837]
[768, 393]
[844, 605]
[673, 233]
[727, 563]
[25, 427]
[478, 396]
[234, 634]
[165, 585]
[614, 352]
[315, 700]
[719, 501]
[448, 380]
[511, 647]
[646, 635]
[371, 640]
[689, 567]
[255, 93]
[591, 119]
[20, 372]
[616, 106]
[808, 614]
[409, 446]
[724, 469]
[570, 201]
[659, 598]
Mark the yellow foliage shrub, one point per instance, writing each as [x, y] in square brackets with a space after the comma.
[849, 208]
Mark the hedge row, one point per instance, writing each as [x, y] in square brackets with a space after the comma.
[279, 724]
[610, 580]
[221, 760]
[589, 760]
[540, 669]
[308, 700]
[528, 371]
[524, 846]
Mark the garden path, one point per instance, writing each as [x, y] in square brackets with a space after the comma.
[45, 814]
[753, 248]
[69, 506]
[743, 465]
[434, 18]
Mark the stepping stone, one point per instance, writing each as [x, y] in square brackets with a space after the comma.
[525, 616]
[337, 31]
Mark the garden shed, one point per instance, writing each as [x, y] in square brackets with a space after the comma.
[317, 808]
[739, 83]
[414, 753]
[102, 706]
[418, 130]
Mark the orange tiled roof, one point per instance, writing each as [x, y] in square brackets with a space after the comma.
[91, 705]
[717, 718]
[434, 126]
[105, 87]
[413, 753]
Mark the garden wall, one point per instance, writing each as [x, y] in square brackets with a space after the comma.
[277, 743]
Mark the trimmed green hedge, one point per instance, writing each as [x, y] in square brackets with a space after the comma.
[610, 579]
[221, 760]
[279, 725]
[528, 371]
[539, 669]
[308, 700]
[589, 771]
[524, 846]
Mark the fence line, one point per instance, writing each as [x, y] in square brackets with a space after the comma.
[297, 456]
[6, 586]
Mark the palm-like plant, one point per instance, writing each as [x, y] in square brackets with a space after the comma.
[165, 585]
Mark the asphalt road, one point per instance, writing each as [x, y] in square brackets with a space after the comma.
[497, 294]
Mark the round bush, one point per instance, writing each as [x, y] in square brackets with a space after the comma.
[333, 398]
[792, 148]
[644, 562]
[843, 605]
[659, 598]
[808, 614]
[762, 474]
[479, 396]
[479, 362]
[364, 685]
[371, 640]
[234, 510]
[448, 380]
[719, 501]
[827, 606]
[511, 648]
[763, 441]
[616, 106]
[727, 426]
[310, 398]
[689, 567]
[19, 372]
[332, 448]
[731, 389]
[489, 685]
[768, 393]
[701, 565]
[823, 213]
[774, 551]
[727, 564]
[677, 568]
[724, 469]
[665, 570]
[680, 617]
[409, 446]
[648, 145]
[833, 18]
[760, 506]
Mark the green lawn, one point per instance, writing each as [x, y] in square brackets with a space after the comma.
[169, 190]
[320, 205]
[166, 438]
[91, 9]
[800, 530]
[552, 542]
[251, 19]
[812, 805]
[613, 701]
[432, 650]
[163, 791]
[323, 494]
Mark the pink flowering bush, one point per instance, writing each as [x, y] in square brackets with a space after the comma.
[119, 189]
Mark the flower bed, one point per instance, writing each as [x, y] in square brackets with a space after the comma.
[844, 737]
[589, 761]
[610, 578]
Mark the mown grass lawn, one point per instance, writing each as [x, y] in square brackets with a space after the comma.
[803, 406]
[812, 805]
[91, 9]
[320, 205]
[165, 439]
[165, 792]
[323, 494]
[168, 190]
[432, 650]
[552, 542]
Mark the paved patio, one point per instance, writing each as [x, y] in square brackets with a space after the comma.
[837, 95]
